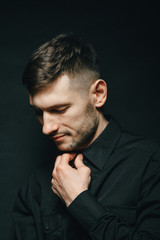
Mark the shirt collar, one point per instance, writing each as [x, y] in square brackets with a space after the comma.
[99, 151]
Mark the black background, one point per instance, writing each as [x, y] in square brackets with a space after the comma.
[126, 38]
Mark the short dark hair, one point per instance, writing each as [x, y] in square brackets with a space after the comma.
[64, 54]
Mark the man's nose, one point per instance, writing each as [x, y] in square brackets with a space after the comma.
[49, 123]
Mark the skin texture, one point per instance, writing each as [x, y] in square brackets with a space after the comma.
[73, 120]
[79, 176]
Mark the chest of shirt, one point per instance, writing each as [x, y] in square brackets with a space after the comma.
[116, 187]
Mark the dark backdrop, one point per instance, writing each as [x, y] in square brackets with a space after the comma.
[126, 39]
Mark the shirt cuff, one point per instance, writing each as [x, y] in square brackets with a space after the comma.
[86, 209]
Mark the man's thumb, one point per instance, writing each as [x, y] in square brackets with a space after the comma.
[79, 161]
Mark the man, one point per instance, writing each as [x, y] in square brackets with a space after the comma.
[103, 183]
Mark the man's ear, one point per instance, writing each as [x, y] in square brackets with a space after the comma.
[98, 91]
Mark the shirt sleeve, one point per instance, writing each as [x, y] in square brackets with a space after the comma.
[25, 215]
[102, 224]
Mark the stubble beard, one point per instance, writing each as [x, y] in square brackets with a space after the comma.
[86, 132]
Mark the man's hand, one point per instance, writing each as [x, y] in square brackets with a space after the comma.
[69, 182]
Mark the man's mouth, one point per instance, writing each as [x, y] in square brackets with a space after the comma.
[59, 137]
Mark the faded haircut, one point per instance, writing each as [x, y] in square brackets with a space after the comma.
[64, 54]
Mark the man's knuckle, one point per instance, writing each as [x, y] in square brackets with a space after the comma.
[59, 168]
[65, 155]
[88, 170]
[54, 174]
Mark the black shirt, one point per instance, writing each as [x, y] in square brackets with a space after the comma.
[122, 202]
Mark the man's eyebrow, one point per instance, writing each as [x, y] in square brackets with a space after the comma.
[57, 106]
[50, 107]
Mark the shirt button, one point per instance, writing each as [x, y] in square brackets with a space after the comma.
[47, 227]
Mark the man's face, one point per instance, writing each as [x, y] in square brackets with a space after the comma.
[67, 116]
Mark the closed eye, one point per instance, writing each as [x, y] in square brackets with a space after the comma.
[55, 110]
[63, 110]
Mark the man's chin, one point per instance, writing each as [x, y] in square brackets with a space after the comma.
[64, 147]
[69, 148]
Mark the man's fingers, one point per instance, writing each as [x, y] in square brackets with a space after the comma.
[67, 157]
[58, 159]
[79, 161]
[63, 159]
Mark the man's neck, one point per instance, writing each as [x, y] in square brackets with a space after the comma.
[103, 122]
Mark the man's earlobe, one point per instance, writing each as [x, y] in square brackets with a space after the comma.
[100, 92]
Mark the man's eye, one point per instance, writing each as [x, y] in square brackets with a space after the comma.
[62, 110]
[58, 110]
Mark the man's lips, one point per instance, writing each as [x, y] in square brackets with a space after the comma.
[58, 137]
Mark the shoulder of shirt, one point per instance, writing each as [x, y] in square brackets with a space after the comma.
[129, 140]
[146, 144]
[147, 148]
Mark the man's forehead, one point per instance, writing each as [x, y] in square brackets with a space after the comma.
[61, 91]
[56, 94]
[46, 102]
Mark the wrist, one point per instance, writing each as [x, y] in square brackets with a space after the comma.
[73, 197]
